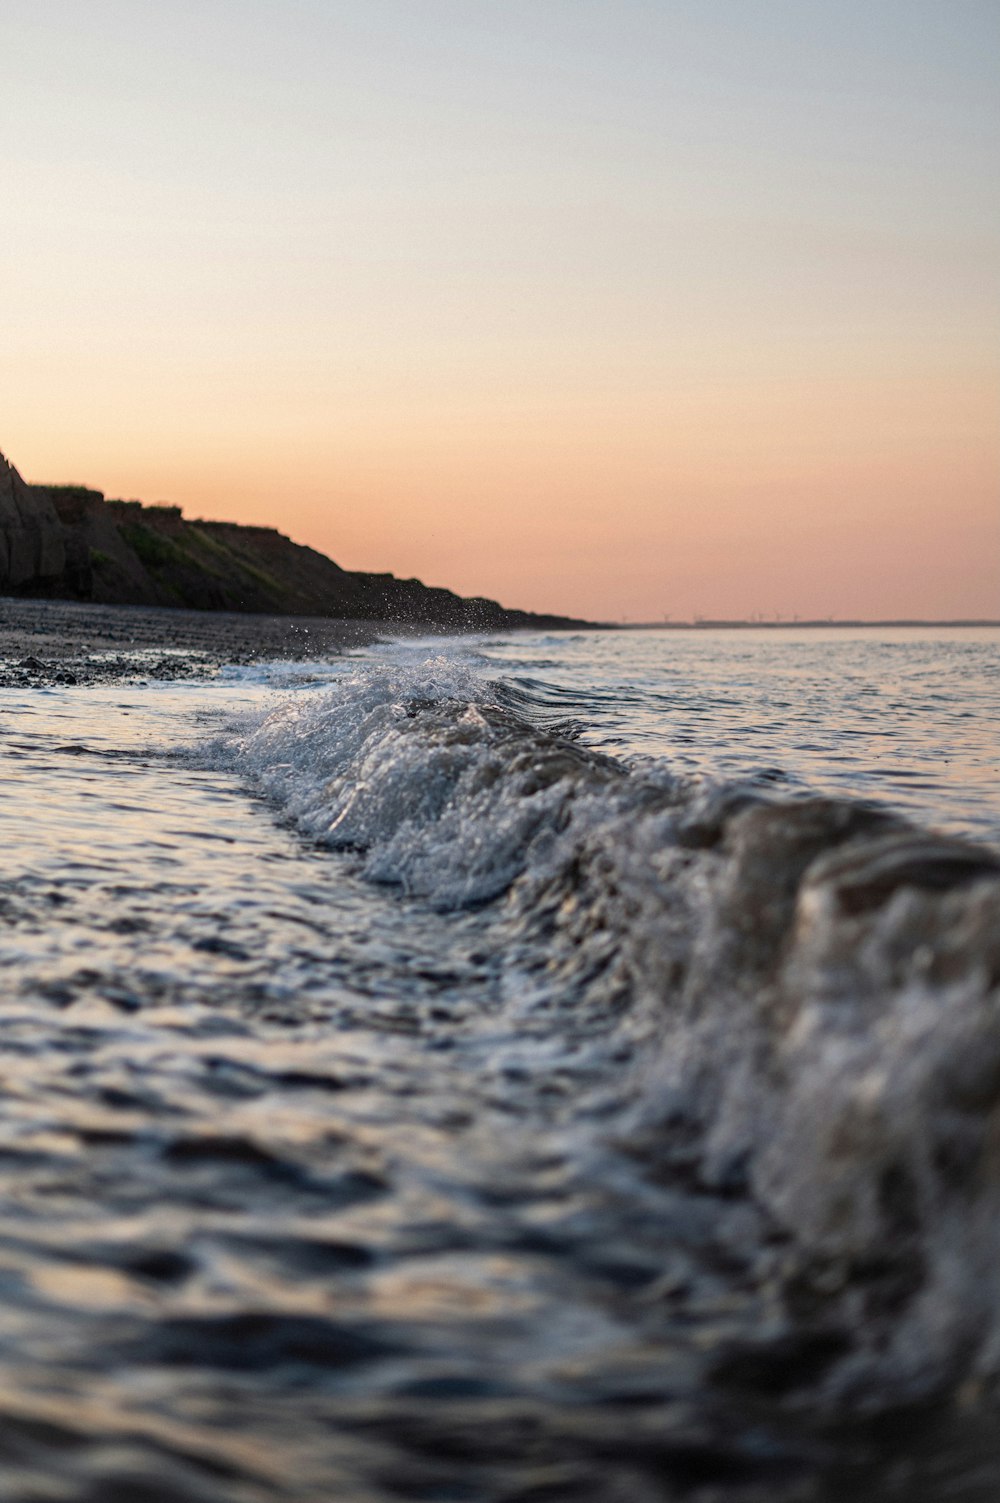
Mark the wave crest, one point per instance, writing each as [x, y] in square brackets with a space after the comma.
[816, 983]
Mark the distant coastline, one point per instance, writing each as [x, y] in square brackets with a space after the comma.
[827, 624]
[69, 542]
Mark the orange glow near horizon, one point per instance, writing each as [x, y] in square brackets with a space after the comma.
[816, 501]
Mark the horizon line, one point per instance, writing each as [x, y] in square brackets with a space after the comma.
[738, 624]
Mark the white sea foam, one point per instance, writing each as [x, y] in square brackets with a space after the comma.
[817, 981]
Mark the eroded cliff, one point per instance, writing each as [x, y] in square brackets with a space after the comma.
[70, 542]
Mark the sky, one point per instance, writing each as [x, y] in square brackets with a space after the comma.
[618, 308]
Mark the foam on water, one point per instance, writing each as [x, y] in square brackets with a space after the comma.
[815, 981]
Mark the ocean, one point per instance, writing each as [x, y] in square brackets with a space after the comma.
[528, 1069]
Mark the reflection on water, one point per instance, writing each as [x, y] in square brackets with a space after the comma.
[908, 715]
[310, 1191]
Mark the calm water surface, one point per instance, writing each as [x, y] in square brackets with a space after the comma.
[908, 715]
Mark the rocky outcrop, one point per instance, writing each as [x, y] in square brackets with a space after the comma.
[72, 543]
[32, 547]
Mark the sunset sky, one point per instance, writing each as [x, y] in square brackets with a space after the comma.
[613, 307]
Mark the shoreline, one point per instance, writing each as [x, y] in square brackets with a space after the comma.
[79, 642]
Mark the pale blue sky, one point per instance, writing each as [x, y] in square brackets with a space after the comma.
[381, 238]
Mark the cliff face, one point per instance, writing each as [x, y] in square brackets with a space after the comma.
[71, 543]
[31, 539]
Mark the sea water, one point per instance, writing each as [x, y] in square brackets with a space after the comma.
[529, 1068]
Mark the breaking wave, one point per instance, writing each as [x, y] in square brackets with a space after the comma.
[814, 983]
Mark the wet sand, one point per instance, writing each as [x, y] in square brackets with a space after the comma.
[59, 641]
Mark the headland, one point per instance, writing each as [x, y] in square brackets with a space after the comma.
[69, 542]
